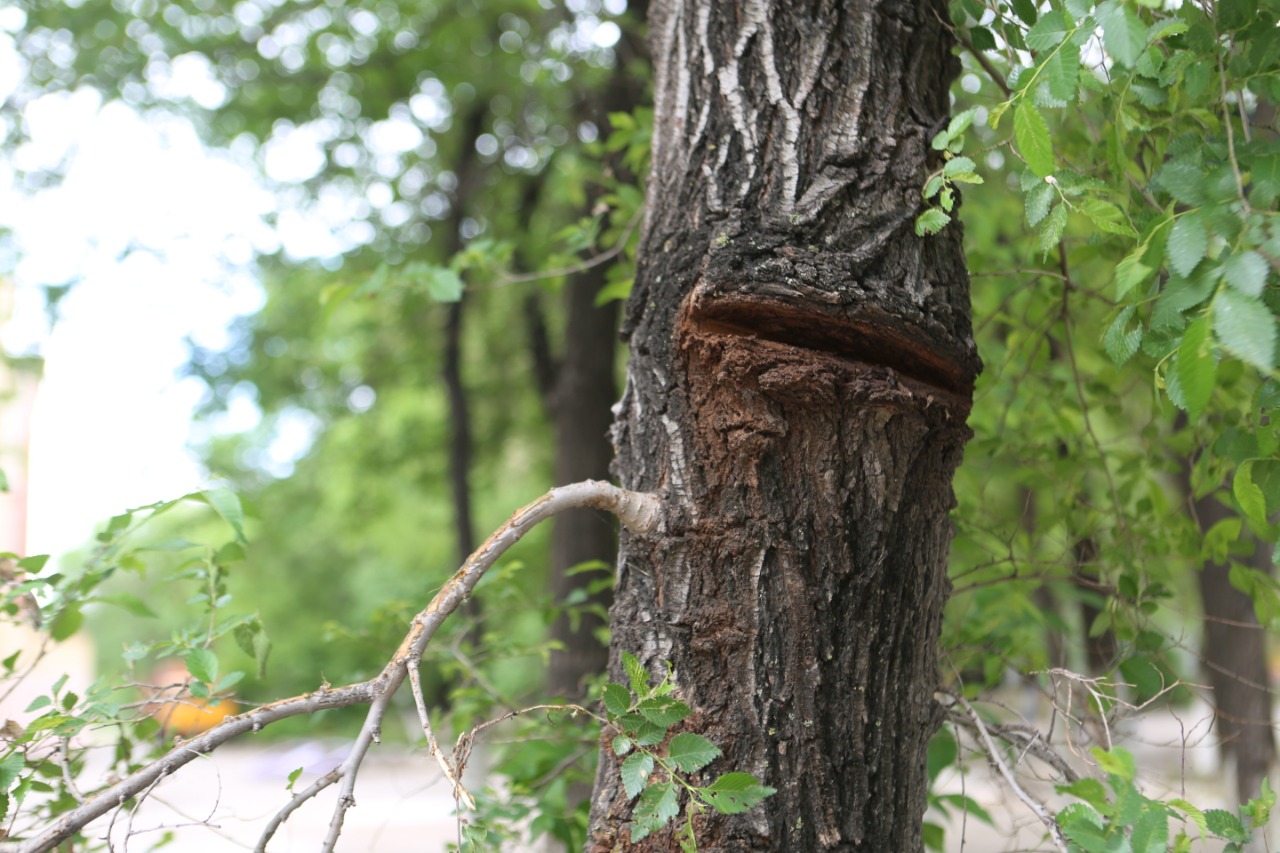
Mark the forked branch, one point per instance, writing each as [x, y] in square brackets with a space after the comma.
[639, 513]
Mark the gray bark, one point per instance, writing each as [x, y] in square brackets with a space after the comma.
[801, 368]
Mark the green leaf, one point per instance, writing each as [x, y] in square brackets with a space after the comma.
[1120, 342]
[1246, 272]
[1060, 74]
[622, 745]
[1037, 201]
[1051, 229]
[931, 221]
[1050, 30]
[1107, 217]
[203, 665]
[293, 779]
[960, 122]
[656, 807]
[1131, 272]
[734, 793]
[129, 602]
[635, 773]
[1184, 179]
[1245, 328]
[1247, 494]
[1123, 33]
[1117, 761]
[10, 766]
[691, 752]
[1225, 825]
[1032, 135]
[1196, 366]
[663, 710]
[1026, 10]
[943, 751]
[226, 504]
[1188, 241]
[617, 699]
[636, 673]
[66, 623]
[958, 165]
[442, 284]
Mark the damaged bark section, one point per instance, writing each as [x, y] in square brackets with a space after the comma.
[802, 366]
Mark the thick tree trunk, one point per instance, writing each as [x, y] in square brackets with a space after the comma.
[801, 368]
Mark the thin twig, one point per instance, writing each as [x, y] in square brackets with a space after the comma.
[573, 269]
[459, 792]
[1029, 801]
[289, 808]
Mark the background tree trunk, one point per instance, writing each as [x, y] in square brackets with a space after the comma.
[801, 369]
[1235, 661]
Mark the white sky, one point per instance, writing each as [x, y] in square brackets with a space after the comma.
[112, 416]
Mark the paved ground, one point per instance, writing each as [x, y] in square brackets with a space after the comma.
[403, 805]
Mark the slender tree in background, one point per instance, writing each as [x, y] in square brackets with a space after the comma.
[801, 369]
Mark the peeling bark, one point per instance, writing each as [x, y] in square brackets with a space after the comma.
[801, 369]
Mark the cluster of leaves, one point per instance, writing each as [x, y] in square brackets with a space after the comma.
[1123, 818]
[658, 764]
[45, 757]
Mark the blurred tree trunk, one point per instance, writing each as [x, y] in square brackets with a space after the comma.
[801, 368]
[1235, 660]
[582, 398]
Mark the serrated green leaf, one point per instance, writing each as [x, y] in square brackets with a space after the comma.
[691, 752]
[1184, 179]
[1050, 231]
[931, 221]
[1026, 10]
[622, 745]
[1032, 135]
[1037, 201]
[663, 710]
[635, 773]
[617, 699]
[957, 165]
[1196, 366]
[1188, 241]
[960, 122]
[1123, 33]
[10, 766]
[657, 806]
[1245, 328]
[1192, 812]
[1224, 824]
[1060, 75]
[203, 665]
[734, 793]
[1050, 30]
[1246, 272]
[636, 674]
[931, 187]
[1107, 217]
[1121, 342]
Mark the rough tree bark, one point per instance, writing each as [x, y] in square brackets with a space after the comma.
[801, 369]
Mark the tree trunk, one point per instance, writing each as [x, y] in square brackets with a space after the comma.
[1235, 660]
[581, 409]
[801, 369]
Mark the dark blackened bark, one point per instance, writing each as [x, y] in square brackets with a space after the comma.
[802, 367]
[1235, 660]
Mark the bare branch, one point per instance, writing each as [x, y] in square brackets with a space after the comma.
[639, 513]
[298, 799]
[1029, 801]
